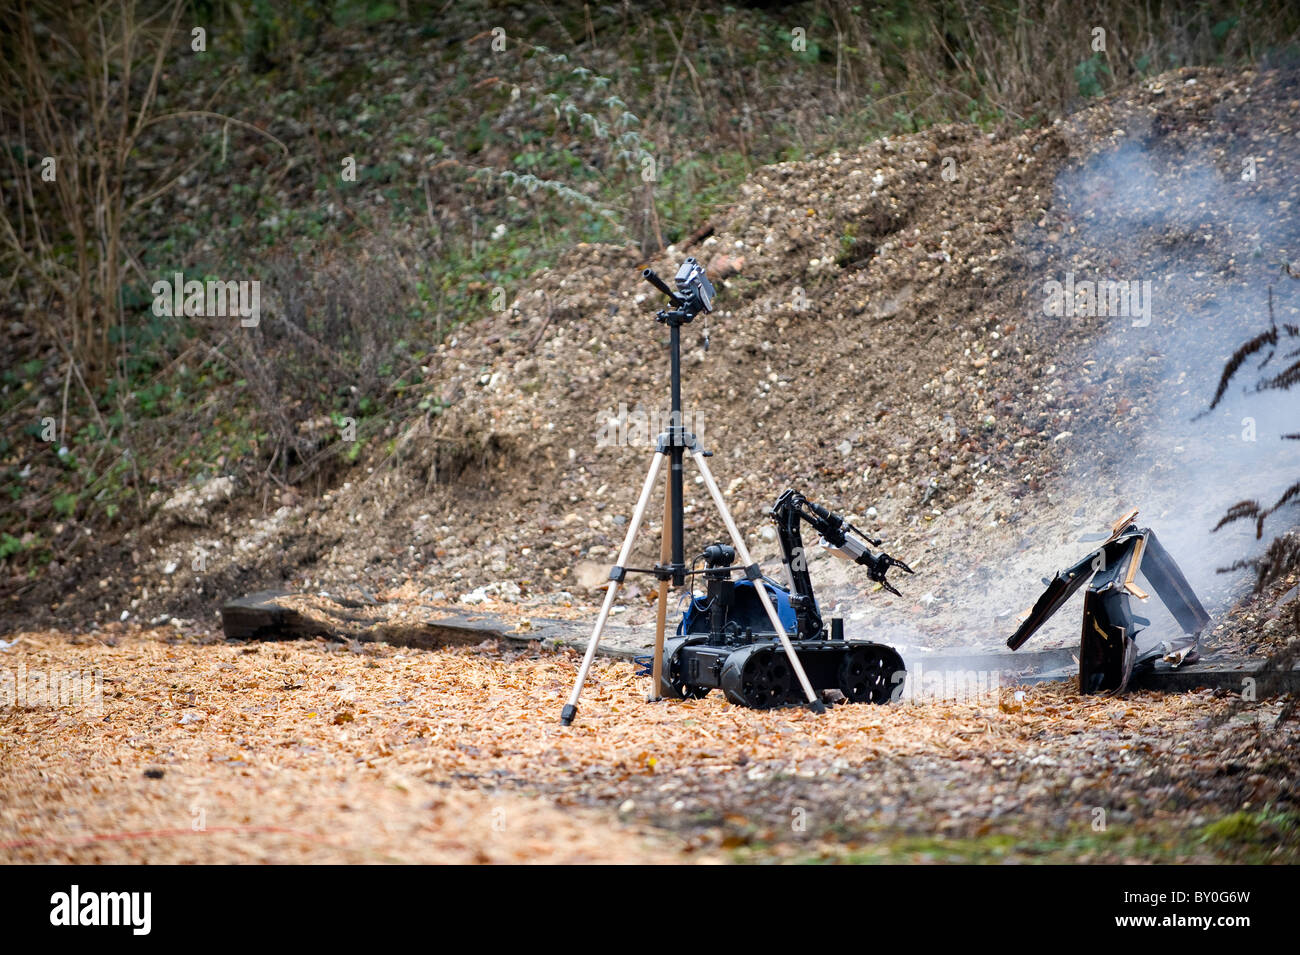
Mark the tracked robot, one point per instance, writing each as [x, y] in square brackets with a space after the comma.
[725, 639]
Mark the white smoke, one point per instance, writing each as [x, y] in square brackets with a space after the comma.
[1210, 246]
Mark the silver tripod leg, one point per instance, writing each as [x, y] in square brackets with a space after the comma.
[616, 583]
[743, 552]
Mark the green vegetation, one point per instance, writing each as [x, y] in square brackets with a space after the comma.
[1264, 837]
[485, 140]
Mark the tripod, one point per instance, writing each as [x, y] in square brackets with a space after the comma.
[694, 294]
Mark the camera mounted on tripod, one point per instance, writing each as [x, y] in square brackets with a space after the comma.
[694, 292]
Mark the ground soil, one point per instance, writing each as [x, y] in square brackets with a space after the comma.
[314, 752]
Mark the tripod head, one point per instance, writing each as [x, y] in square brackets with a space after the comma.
[694, 293]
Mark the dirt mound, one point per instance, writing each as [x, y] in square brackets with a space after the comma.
[882, 343]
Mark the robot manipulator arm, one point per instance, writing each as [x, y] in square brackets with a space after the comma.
[838, 536]
[853, 547]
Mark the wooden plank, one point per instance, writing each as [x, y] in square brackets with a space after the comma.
[258, 617]
[1213, 675]
[1221, 675]
[994, 660]
[281, 615]
[278, 615]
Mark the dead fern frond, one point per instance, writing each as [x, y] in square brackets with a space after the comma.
[1239, 511]
[1238, 359]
